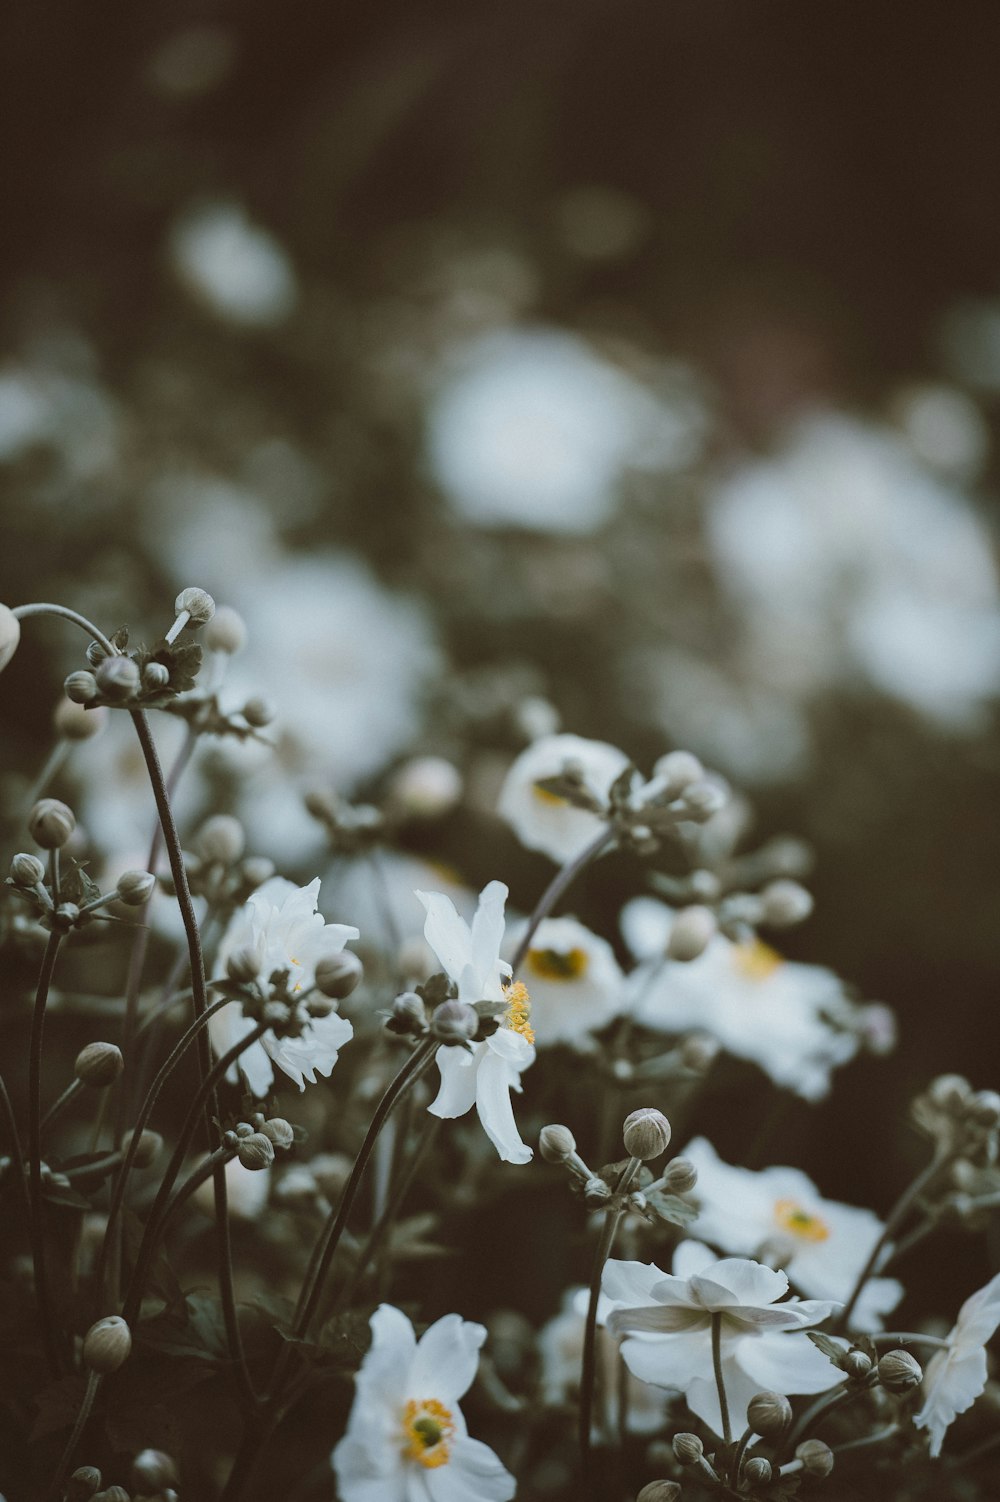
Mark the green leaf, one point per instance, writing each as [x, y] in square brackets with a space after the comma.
[679, 1212]
[833, 1350]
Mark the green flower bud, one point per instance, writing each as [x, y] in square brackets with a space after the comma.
[107, 1344]
[51, 823]
[196, 604]
[81, 687]
[99, 1065]
[646, 1133]
[118, 679]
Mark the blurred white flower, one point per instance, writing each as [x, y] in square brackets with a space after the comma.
[945, 429]
[970, 342]
[484, 1075]
[246, 1192]
[234, 266]
[821, 1244]
[666, 1322]
[560, 1351]
[575, 982]
[955, 1377]
[544, 821]
[25, 416]
[406, 1439]
[533, 429]
[280, 928]
[795, 1021]
[850, 559]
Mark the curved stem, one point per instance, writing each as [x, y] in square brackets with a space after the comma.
[194, 1180]
[822, 1405]
[556, 887]
[901, 1337]
[70, 1093]
[720, 1381]
[384, 1225]
[93, 1383]
[51, 767]
[63, 611]
[35, 1152]
[612, 1217]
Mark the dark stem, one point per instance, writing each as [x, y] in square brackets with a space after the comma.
[45, 1314]
[380, 1231]
[612, 1217]
[720, 1381]
[897, 1215]
[822, 1405]
[93, 1382]
[556, 887]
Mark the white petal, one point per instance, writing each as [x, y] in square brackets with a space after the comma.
[631, 1283]
[493, 1086]
[786, 1363]
[487, 931]
[459, 1071]
[737, 1280]
[447, 934]
[446, 1360]
[473, 1474]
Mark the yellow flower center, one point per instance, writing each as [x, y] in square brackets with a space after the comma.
[799, 1223]
[427, 1429]
[756, 960]
[558, 964]
[518, 1011]
[544, 796]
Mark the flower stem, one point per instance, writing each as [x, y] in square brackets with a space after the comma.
[822, 1405]
[55, 1486]
[612, 1216]
[35, 1153]
[383, 1226]
[43, 608]
[556, 887]
[720, 1381]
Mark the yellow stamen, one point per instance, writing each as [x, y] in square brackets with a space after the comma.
[427, 1429]
[558, 964]
[518, 1011]
[544, 796]
[756, 960]
[799, 1223]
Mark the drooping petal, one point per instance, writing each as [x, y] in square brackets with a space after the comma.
[473, 1474]
[487, 933]
[313, 1052]
[459, 1071]
[668, 1361]
[446, 1359]
[494, 1082]
[785, 1363]
[631, 1283]
[737, 1280]
[658, 1319]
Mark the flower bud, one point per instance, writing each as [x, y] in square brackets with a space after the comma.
[454, 1022]
[769, 1413]
[898, 1371]
[221, 838]
[659, 1491]
[118, 679]
[426, 787]
[243, 965]
[51, 823]
[99, 1065]
[136, 887]
[226, 631]
[256, 1151]
[409, 1014]
[197, 604]
[243, 1129]
[950, 1092]
[877, 1028]
[646, 1133]
[96, 653]
[279, 1131]
[81, 687]
[785, 903]
[155, 676]
[858, 1364]
[255, 870]
[75, 723]
[705, 886]
[984, 1108]
[556, 1143]
[680, 1176]
[153, 1471]
[26, 870]
[148, 1149]
[816, 1457]
[758, 1471]
[10, 635]
[688, 1448]
[83, 1483]
[258, 712]
[337, 975]
[702, 800]
[690, 934]
[678, 769]
[596, 1193]
[107, 1344]
[113, 1494]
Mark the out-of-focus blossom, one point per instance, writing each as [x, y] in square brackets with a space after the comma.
[560, 1351]
[406, 1439]
[955, 1377]
[795, 1021]
[532, 429]
[945, 429]
[543, 820]
[233, 266]
[821, 1244]
[970, 343]
[484, 1075]
[246, 1193]
[666, 1322]
[280, 928]
[575, 982]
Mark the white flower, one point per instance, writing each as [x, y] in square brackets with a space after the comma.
[406, 1439]
[235, 267]
[560, 1351]
[821, 1244]
[280, 926]
[485, 1075]
[667, 1322]
[794, 1020]
[542, 820]
[954, 1378]
[576, 984]
[246, 1192]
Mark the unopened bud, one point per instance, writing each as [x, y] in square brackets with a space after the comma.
[337, 975]
[10, 635]
[688, 1448]
[702, 800]
[409, 1015]
[898, 1371]
[680, 1176]
[646, 1133]
[769, 1413]
[221, 838]
[596, 1193]
[258, 712]
[816, 1457]
[107, 1344]
[785, 903]
[243, 965]
[118, 679]
[136, 887]
[226, 631]
[950, 1092]
[256, 1151]
[426, 787]
[113, 1494]
[148, 1148]
[99, 1065]
[255, 870]
[83, 1483]
[26, 870]
[51, 823]
[153, 1471]
[155, 675]
[279, 1131]
[678, 770]
[984, 1108]
[556, 1143]
[75, 723]
[659, 1491]
[96, 653]
[758, 1471]
[454, 1022]
[196, 604]
[81, 687]
[858, 1364]
[690, 934]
